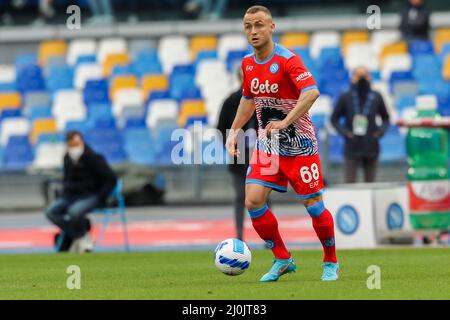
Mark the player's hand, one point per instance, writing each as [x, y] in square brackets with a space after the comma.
[275, 126]
[231, 144]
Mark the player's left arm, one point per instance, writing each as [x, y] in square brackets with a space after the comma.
[309, 93]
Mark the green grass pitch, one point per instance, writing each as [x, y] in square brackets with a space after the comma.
[405, 274]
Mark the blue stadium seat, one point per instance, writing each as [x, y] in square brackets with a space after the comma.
[437, 87]
[96, 92]
[392, 145]
[330, 58]
[121, 70]
[335, 148]
[8, 86]
[60, 77]
[50, 138]
[81, 126]
[139, 146]
[181, 83]
[444, 52]
[426, 66]
[205, 55]
[135, 123]
[234, 58]
[39, 112]
[88, 58]
[162, 140]
[156, 95]
[147, 62]
[421, 47]
[319, 120]
[25, 59]
[108, 142]
[191, 120]
[405, 101]
[10, 113]
[18, 153]
[400, 76]
[105, 123]
[29, 78]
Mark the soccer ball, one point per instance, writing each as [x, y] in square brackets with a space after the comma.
[232, 257]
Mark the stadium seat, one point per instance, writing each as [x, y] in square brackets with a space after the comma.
[210, 71]
[399, 62]
[13, 127]
[323, 39]
[80, 126]
[78, 48]
[120, 83]
[49, 49]
[173, 50]
[205, 55]
[39, 112]
[7, 73]
[160, 111]
[336, 148]
[202, 43]
[404, 102]
[393, 49]
[10, 100]
[60, 77]
[140, 45]
[231, 42]
[49, 155]
[147, 62]
[109, 46]
[96, 92]
[41, 126]
[292, 40]
[441, 36]
[381, 38]
[114, 59]
[10, 113]
[30, 78]
[234, 60]
[392, 146]
[86, 59]
[139, 146]
[361, 54]
[419, 47]
[135, 123]
[190, 108]
[150, 83]
[351, 37]
[446, 68]
[128, 102]
[18, 153]
[85, 72]
[98, 111]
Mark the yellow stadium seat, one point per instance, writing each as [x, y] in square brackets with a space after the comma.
[191, 108]
[41, 126]
[350, 37]
[441, 36]
[154, 82]
[115, 59]
[400, 47]
[10, 100]
[294, 39]
[121, 82]
[49, 49]
[446, 68]
[202, 43]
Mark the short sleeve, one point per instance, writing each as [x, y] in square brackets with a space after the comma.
[246, 93]
[298, 73]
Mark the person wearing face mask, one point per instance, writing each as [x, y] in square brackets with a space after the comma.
[87, 182]
[359, 107]
[415, 21]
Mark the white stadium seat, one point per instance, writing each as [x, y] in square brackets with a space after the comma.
[231, 42]
[49, 156]
[110, 46]
[163, 109]
[85, 72]
[127, 97]
[380, 38]
[396, 62]
[80, 47]
[361, 54]
[173, 50]
[12, 127]
[7, 73]
[323, 39]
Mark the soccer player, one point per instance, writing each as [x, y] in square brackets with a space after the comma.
[281, 90]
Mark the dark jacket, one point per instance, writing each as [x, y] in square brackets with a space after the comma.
[91, 175]
[226, 118]
[360, 146]
[415, 23]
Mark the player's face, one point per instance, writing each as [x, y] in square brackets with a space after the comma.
[258, 28]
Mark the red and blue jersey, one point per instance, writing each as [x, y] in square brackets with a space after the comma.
[275, 86]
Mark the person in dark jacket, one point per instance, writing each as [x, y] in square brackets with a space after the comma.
[415, 21]
[238, 168]
[359, 107]
[88, 180]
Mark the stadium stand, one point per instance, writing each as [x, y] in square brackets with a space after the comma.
[134, 92]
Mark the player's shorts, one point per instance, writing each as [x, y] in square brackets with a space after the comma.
[275, 171]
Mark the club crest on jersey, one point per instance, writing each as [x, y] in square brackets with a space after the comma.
[266, 87]
[274, 67]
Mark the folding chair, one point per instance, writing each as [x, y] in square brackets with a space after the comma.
[108, 212]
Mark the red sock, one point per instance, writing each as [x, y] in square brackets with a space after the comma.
[324, 227]
[266, 225]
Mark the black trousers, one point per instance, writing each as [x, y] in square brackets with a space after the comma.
[369, 166]
[239, 201]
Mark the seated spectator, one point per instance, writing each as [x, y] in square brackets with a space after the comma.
[87, 182]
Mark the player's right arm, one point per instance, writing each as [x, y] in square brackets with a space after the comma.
[243, 115]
